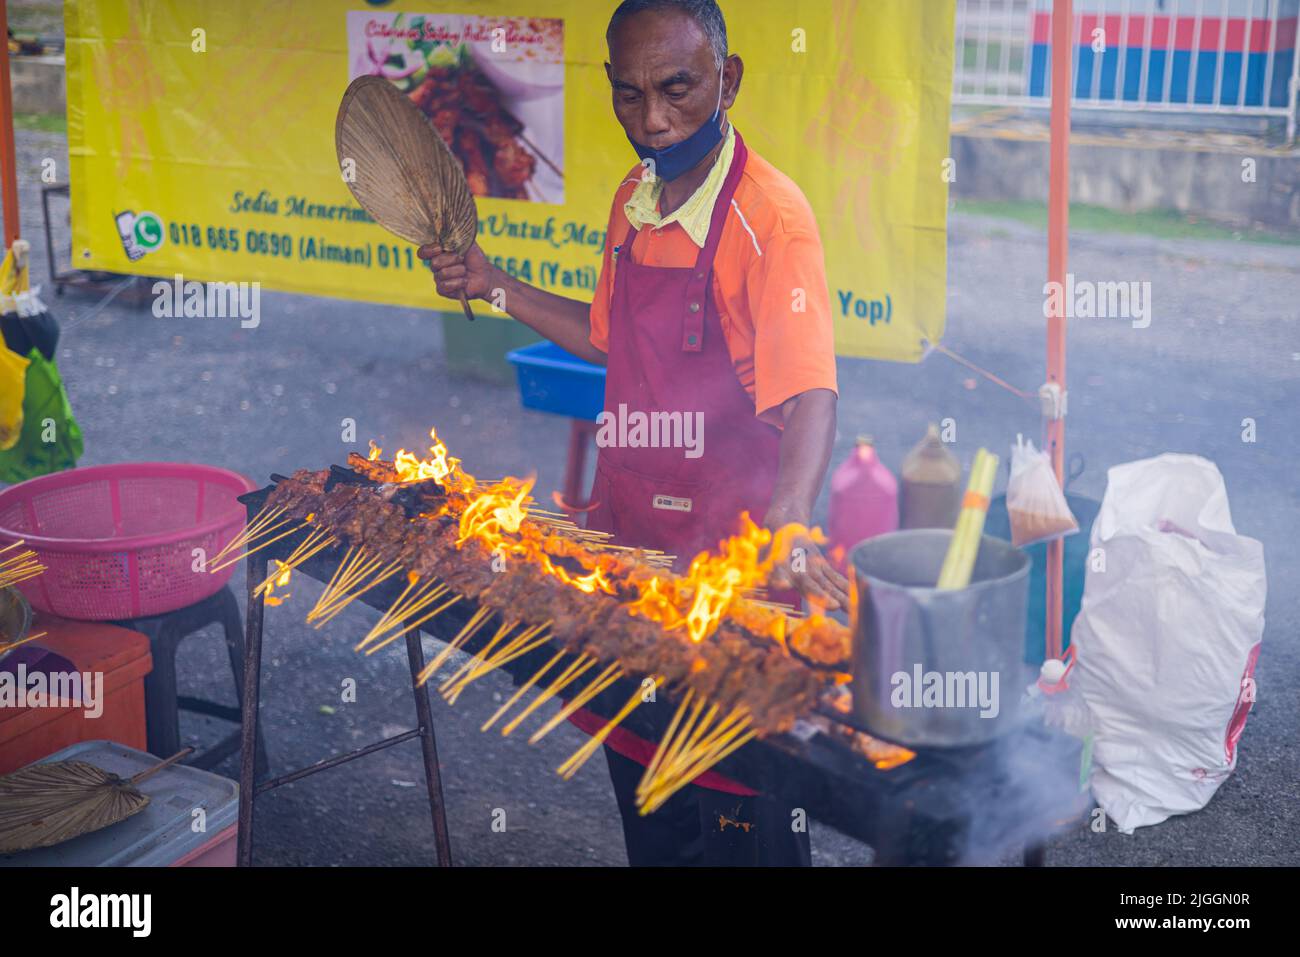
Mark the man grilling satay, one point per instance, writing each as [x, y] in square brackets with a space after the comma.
[712, 302]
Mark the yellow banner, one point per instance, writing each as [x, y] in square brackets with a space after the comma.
[201, 137]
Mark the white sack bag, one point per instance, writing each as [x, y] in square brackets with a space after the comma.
[1167, 638]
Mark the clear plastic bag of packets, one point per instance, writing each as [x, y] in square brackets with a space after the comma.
[1036, 506]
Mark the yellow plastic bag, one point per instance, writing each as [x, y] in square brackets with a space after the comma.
[9, 274]
[13, 389]
[13, 367]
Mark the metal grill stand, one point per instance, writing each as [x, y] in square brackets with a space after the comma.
[250, 789]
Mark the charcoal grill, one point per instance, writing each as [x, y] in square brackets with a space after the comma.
[945, 806]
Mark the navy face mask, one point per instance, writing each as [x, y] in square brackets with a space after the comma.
[672, 161]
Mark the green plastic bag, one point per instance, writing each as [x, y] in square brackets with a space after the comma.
[50, 440]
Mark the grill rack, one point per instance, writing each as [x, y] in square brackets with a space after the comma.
[945, 806]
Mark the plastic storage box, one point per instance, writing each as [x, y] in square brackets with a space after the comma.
[120, 655]
[552, 380]
[163, 834]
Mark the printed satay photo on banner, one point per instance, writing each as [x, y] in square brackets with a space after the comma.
[222, 163]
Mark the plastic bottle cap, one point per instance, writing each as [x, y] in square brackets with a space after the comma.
[1051, 674]
[866, 440]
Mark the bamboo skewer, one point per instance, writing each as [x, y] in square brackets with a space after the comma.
[522, 689]
[496, 663]
[5, 649]
[387, 620]
[264, 523]
[655, 761]
[20, 568]
[687, 752]
[580, 757]
[673, 745]
[474, 662]
[735, 723]
[482, 665]
[737, 737]
[412, 625]
[579, 666]
[316, 541]
[338, 585]
[521, 644]
[656, 799]
[467, 631]
[684, 753]
[345, 586]
[404, 609]
[597, 685]
[250, 548]
[455, 644]
[693, 759]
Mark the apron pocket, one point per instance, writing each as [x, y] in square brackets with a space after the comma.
[649, 512]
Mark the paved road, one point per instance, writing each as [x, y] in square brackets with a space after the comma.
[1223, 345]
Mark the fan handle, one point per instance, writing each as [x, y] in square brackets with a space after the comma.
[464, 304]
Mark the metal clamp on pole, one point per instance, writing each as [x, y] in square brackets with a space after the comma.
[1052, 400]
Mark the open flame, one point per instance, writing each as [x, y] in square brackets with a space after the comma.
[694, 604]
[715, 583]
[438, 466]
[495, 515]
[281, 580]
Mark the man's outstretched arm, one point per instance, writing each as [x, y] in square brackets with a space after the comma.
[564, 321]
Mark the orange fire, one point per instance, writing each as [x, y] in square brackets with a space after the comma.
[494, 512]
[715, 583]
[694, 604]
[281, 581]
[439, 465]
[494, 517]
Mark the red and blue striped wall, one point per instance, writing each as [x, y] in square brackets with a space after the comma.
[1172, 69]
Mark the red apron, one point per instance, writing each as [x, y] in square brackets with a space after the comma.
[667, 353]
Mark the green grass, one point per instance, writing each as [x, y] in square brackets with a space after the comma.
[42, 122]
[1162, 224]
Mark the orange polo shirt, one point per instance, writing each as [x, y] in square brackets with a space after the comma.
[769, 284]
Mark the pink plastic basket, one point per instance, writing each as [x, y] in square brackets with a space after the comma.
[118, 541]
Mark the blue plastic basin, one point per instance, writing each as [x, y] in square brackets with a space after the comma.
[552, 380]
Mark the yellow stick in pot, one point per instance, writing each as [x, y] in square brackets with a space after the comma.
[959, 563]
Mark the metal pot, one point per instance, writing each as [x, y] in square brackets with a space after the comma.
[937, 668]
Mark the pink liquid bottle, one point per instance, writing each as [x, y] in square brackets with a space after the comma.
[864, 501]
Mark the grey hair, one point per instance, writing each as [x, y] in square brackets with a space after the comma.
[704, 12]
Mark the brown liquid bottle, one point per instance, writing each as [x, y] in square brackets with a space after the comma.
[930, 487]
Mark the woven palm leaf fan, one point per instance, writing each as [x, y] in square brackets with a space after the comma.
[46, 804]
[402, 172]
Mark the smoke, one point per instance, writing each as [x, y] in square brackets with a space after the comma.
[1023, 790]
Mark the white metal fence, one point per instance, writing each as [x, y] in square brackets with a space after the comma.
[1177, 56]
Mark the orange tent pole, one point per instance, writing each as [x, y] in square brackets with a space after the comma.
[1058, 228]
[8, 159]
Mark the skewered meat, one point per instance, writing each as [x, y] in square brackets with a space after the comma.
[466, 110]
[739, 664]
[514, 164]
